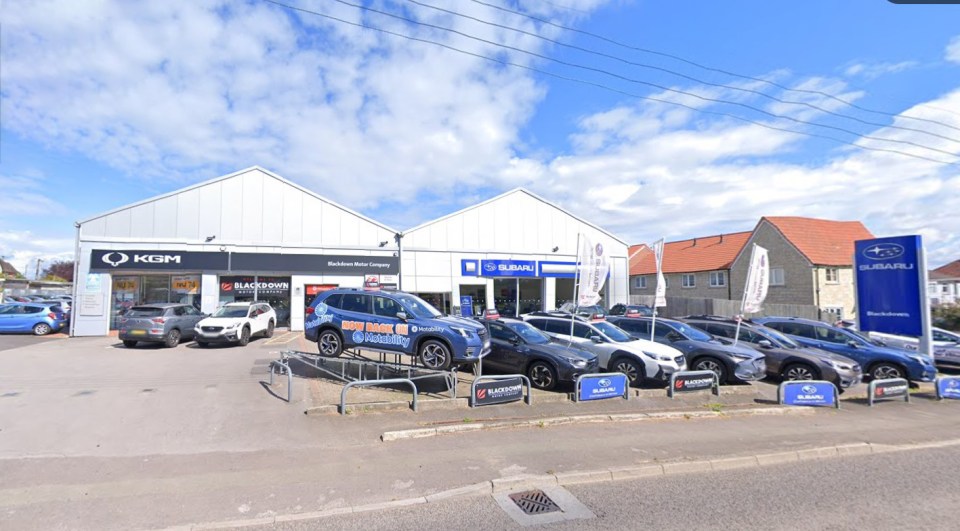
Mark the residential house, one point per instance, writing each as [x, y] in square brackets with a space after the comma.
[811, 263]
[699, 267]
[943, 284]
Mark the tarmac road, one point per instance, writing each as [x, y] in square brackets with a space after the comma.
[96, 436]
[918, 489]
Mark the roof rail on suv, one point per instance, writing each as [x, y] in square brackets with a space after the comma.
[560, 315]
[719, 318]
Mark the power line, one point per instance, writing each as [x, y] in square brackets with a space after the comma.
[605, 87]
[712, 69]
[682, 75]
[647, 83]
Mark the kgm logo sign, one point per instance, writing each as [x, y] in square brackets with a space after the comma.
[884, 251]
[116, 259]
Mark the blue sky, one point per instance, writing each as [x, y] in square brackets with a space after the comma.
[107, 103]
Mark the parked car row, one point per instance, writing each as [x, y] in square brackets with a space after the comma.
[171, 323]
[40, 318]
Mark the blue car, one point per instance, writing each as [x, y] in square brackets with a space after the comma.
[393, 321]
[877, 362]
[39, 318]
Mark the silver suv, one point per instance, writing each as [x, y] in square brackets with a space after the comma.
[165, 323]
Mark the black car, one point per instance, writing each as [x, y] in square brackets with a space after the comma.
[517, 347]
[786, 359]
[732, 364]
[632, 310]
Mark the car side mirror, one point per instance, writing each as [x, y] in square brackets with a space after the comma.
[852, 344]
[402, 316]
[515, 340]
[596, 339]
[673, 337]
[765, 343]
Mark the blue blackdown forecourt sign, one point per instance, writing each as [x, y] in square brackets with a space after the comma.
[600, 386]
[808, 393]
[888, 285]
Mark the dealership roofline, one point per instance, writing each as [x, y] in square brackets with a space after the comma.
[230, 176]
[505, 194]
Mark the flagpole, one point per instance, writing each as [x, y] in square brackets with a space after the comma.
[743, 300]
[658, 258]
[576, 288]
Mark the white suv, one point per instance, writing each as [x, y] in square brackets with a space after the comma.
[236, 322]
[616, 351]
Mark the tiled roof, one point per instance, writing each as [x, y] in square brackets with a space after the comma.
[951, 270]
[709, 253]
[822, 241]
[6, 269]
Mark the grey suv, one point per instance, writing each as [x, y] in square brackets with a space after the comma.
[786, 359]
[165, 323]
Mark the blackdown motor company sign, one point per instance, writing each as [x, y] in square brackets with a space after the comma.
[161, 260]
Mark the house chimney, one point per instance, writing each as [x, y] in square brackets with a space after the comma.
[721, 238]
[694, 243]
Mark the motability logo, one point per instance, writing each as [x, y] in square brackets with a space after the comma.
[883, 251]
[358, 337]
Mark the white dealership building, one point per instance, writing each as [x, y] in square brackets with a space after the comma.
[253, 235]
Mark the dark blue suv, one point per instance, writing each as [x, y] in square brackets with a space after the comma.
[877, 362]
[393, 321]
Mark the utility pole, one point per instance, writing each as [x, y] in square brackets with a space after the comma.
[36, 275]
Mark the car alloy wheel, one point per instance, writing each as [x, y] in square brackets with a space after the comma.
[244, 336]
[329, 344]
[712, 365]
[172, 339]
[799, 371]
[542, 376]
[42, 329]
[630, 368]
[129, 343]
[435, 355]
[884, 371]
[269, 332]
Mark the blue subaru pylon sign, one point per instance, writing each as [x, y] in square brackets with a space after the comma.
[600, 386]
[948, 387]
[890, 293]
[466, 305]
[808, 393]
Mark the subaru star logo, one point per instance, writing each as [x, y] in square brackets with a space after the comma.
[953, 383]
[809, 389]
[115, 258]
[883, 251]
[489, 266]
[599, 250]
[605, 382]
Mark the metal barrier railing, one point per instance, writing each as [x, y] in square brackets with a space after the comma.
[355, 368]
[888, 389]
[478, 379]
[620, 377]
[283, 367]
[343, 394]
[810, 393]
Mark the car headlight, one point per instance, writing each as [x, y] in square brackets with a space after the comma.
[919, 359]
[462, 331]
[577, 362]
[837, 365]
[656, 357]
[231, 326]
[741, 357]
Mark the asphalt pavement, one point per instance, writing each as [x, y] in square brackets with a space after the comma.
[97, 436]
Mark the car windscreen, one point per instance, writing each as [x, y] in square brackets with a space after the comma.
[529, 333]
[420, 308]
[231, 311]
[863, 338]
[690, 332]
[613, 332]
[144, 311]
[777, 337]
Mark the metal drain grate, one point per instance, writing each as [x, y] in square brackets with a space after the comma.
[534, 502]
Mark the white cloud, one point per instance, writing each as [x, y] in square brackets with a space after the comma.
[952, 53]
[25, 196]
[23, 248]
[873, 70]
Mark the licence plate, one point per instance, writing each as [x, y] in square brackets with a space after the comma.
[138, 332]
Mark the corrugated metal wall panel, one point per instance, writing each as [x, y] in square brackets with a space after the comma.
[165, 217]
[188, 214]
[252, 203]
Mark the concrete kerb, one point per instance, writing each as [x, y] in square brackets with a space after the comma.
[527, 481]
[587, 419]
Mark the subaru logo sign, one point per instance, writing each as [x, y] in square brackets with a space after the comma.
[489, 266]
[599, 250]
[809, 389]
[115, 259]
[605, 382]
[883, 251]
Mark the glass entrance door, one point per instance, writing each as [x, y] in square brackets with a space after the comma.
[515, 296]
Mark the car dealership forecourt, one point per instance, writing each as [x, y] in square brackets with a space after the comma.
[253, 235]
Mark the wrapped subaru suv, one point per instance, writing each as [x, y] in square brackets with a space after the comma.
[393, 321]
